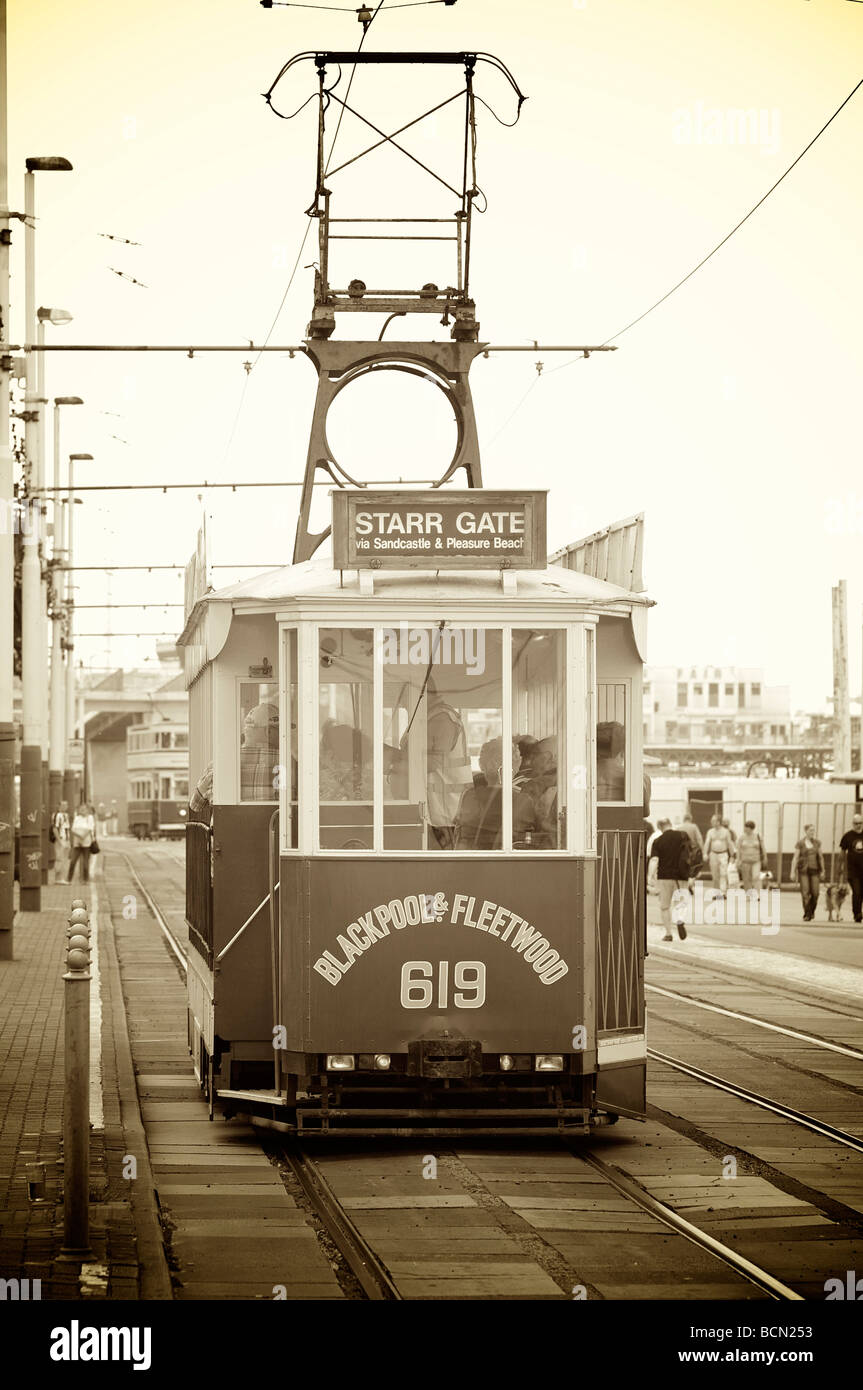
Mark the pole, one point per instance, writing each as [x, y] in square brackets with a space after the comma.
[841, 703]
[57, 743]
[42, 514]
[7, 550]
[30, 858]
[76, 1097]
[70, 777]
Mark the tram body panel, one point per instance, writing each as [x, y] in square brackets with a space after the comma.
[386, 953]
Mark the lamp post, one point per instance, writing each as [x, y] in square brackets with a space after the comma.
[7, 543]
[57, 739]
[43, 316]
[70, 777]
[33, 662]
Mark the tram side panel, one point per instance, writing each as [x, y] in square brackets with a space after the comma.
[620, 951]
[243, 1010]
[382, 956]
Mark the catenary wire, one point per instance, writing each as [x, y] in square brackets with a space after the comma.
[702, 262]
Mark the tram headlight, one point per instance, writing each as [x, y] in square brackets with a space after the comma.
[506, 1061]
[382, 1061]
[340, 1061]
[549, 1061]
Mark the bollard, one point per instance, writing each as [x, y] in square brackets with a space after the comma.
[76, 1101]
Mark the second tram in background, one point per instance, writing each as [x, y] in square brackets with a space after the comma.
[157, 769]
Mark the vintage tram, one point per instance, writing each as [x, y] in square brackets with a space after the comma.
[415, 849]
[157, 772]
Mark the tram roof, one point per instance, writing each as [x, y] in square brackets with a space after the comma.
[316, 579]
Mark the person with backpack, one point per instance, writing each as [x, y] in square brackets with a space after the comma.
[669, 868]
[696, 845]
[82, 836]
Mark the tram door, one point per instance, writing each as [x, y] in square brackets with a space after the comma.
[705, 803]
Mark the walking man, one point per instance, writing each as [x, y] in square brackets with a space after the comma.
[669, 869]
[718, 849]
[807, 865]
[696, 844]
[851, 846]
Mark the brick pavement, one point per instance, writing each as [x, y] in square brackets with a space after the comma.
[123, 1217]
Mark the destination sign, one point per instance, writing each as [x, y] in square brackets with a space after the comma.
[475, 529]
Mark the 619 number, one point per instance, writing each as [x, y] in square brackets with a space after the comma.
[418, 981]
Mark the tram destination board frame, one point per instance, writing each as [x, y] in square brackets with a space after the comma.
[475, 528]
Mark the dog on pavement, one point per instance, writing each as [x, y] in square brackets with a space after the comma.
[835, 895]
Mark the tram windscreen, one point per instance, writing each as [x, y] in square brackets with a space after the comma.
[442, 695]
[538, 683]
[345, 758]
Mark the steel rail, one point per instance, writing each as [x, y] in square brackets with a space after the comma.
[759, 1022]
[371, 1273]
[171, 939]
[797, 1117]
[633, 1189]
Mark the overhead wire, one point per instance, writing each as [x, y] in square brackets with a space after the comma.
[704, 260]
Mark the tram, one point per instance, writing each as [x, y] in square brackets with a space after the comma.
[157, 772]
[415, 849]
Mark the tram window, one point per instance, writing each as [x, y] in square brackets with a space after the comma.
[181, 740]
[442, 698]
[165, 738]
[259, 740]
[611, 742]
[346, 762]
[181, 789]
[290, 716]
[165, 788]
[538, 685]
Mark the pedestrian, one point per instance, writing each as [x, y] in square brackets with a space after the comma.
[102, 818]
[851, 846]
[751, 857]
[82, 833]
[60, 826]
[807, 865]
[669, 869]
[696, 844]
[718, 850]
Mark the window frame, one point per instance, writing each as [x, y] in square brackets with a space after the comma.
[577, 739]
[626, 682]
[239, 682]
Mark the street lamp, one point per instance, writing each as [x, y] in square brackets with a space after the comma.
[57, 739]
[34, 769]
[59, 317]
[69, 778]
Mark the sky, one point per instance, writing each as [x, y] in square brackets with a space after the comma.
[729, 416]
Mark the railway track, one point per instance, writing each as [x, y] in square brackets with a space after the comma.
[795, 1033]
[786, 1112]
[370, 1270]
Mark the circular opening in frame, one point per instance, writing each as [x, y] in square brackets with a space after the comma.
[392, 426]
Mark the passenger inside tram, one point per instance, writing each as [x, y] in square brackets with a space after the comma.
[610, 763]
[479, 820]
[259, 752]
